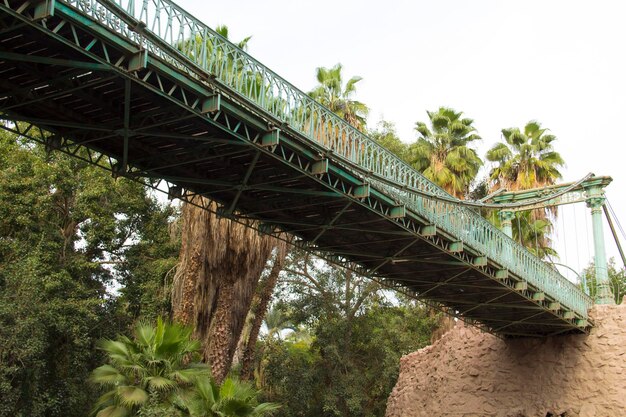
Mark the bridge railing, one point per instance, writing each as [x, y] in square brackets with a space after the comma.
[169, 32]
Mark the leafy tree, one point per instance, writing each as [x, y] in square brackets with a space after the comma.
[335, 375]
[343, 360]
[332, 93]
[443, 151]
[617, 280]
[66, 229]
[385, 134]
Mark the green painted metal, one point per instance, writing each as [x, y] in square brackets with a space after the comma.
[169, 32]
[506, 218]
[575, 193]
[194, 56]
[595, 201]
[591, 191]
[456, 247]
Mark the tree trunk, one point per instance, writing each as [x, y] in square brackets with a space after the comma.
[259, 309]
[192, 265]
[220, 265]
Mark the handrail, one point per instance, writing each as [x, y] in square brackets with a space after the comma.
[169, 32]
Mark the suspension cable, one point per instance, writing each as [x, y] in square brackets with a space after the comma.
[576, 234]
[449, 199]
[614, 215]
[619, 246]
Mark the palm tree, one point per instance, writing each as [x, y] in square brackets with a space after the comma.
[230, 399]
[276, 321]
[532, 230]
[150, 370]
[442, 152]
[221, 261]
[259, 311]
[525, 159]
[331, 93]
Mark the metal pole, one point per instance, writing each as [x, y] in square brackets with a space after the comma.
[506, 219]
[595, 201]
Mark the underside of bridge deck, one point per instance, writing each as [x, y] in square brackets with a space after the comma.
[85, 91]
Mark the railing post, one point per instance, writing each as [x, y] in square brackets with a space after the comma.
[595, 201]
[506, 222]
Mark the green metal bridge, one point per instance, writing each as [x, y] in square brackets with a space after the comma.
[144, 89]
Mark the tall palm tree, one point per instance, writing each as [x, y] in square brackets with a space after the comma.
[259, 311]
[442, 152]
[333, 94]
[527, 159]
[220, 264]
[150, 370]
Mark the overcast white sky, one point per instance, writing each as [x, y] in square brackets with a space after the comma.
[502, 63]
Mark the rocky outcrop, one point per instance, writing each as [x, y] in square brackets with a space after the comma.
[471, 373]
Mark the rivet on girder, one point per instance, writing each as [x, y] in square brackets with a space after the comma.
[211, 104]
[480, 261]
[118, 169]
[223, 212]
[271, 138]
[267, 228]
[43, 9]
[53, 143]
[554, 306]
[319, 167]
[398, 212]
[361, 191]
[428, 230]
[175, 191]
[539, 296]
[138, 61]
[456, 247]
[502, 274]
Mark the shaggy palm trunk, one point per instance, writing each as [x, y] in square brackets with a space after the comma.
[259, 309]
[220, 265]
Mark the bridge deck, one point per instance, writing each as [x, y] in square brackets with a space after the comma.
[93, 93]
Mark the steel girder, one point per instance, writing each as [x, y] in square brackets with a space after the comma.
[234, 124]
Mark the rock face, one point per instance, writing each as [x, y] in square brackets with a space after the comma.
[468, 373]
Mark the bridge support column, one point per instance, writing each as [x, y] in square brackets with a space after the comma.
[595, 201]
[506, 222]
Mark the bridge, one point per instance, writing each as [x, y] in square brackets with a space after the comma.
[144, 89]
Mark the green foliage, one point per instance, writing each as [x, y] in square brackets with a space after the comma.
[231, 399]
[442, 152]
[526, 159]
[351, 366]
[332, 93]
[343, 357]
[150, 371]
[385, 134]
[152, 375]
[66, 230]
[617, 280]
